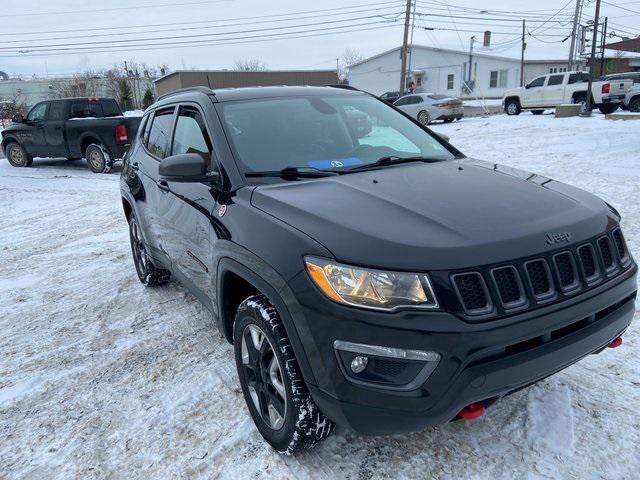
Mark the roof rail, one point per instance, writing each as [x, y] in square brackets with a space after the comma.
[205, 90]
[344, 87]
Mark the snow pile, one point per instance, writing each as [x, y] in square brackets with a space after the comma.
[102, 378]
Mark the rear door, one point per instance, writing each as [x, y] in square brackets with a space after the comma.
[186, 210]
[54, 129]
[553, 93]
[157, 145]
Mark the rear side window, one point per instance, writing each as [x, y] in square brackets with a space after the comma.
[86, 109]
[160, 134]
[191, 134]
[111, 108]
[403, 101]
[578, 78]
[556, 80]
[56, 111]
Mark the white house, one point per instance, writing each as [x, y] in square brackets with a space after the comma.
[438, 70]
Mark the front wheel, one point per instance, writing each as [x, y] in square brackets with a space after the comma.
[98, 159]
[18, 156]
[424, 118]
[512, 107]
[276, 395]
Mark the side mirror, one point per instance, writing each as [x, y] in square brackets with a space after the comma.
[444, 137]
[18, 118]
[186, 168]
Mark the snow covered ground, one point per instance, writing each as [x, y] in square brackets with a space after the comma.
[102, 378]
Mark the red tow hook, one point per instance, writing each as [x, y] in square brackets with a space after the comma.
[473, 411]
[616, 342]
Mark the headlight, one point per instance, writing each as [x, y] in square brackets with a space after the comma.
[364, 287]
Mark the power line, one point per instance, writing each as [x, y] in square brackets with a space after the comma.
[195, 43]
[493, 19]
[621, 8]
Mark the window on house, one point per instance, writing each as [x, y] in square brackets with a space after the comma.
[504, 78]
[498, 78]
[450, 79]
[493, 79]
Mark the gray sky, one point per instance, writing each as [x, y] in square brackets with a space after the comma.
[24, 23]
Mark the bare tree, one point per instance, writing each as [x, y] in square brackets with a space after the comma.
[81, 85]
[350, 57]
[10, 106]
[253, 65]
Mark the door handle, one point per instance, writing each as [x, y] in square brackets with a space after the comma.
[163, 185]
[135, 166]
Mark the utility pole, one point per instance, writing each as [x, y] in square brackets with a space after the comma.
[574, 34]
[403, 53]
[413, 22]
[587, 113]
[524, 46]
[604, 41]
[473, 39]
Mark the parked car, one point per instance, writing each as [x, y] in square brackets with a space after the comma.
[384, 283]
[635, 76]
[549, 91]
[391, 97]
[427, 107]
[73, 128]
[632, 99]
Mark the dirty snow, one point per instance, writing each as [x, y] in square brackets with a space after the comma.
[102, 378]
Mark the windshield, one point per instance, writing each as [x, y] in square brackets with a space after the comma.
[322, 132]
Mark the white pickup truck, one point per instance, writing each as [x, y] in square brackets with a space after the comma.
[549, 91]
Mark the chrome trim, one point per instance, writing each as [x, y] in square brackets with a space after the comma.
[389, 352]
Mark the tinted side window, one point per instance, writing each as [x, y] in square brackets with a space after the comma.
[402, 101]
[538, 82]
[39, 112]
[56, 111]
[86, 109]
[110, 108]
[555, 80]
[191, 134]
[159, 139]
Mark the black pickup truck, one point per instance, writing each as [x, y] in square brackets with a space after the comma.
[73, 128]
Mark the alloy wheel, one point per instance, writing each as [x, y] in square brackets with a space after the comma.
[423, 118]
[96, 159]
[17, 155]
[138, 249]
[512, 108]
[263, 375]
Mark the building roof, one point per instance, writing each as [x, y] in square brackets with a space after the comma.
[628, 45]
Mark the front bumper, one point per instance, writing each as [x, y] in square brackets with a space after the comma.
[479, 362]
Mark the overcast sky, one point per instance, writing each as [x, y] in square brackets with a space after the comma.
[29, 25]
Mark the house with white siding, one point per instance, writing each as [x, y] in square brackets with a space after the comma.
[442, 70]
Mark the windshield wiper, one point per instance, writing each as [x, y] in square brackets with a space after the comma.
[393, 160]
[293, 173]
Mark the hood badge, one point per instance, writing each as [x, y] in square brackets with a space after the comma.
[556, 238]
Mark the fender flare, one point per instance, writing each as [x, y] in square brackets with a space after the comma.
[229, 265]
[7, 140]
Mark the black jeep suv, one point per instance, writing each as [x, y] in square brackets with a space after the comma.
[384, 282]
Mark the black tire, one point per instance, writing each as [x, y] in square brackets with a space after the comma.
[148, 273]
[607, 109]
[634, 105]
[512, 107]
[98, 159]
[297, 423]
[448, 120]
[17, 155]
[424, 118]
[537, 112]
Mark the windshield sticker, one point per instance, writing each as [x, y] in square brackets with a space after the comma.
[335, 163]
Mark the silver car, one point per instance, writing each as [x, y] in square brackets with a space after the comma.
[427, 107]
[632, 99]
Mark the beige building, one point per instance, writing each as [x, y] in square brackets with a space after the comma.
[231, 78]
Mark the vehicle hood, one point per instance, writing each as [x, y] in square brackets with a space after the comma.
[444, 215]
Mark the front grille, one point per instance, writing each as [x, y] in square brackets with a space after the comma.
[621, 247]
[472, 292]
[509, 286]
[565, 268]
[551, 277]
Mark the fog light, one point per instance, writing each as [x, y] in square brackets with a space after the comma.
[358, 364]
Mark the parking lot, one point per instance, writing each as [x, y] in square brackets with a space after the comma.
[102, 378]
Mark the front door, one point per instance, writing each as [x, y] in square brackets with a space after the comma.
[532, 95]
[186, 211]
[32, 137]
